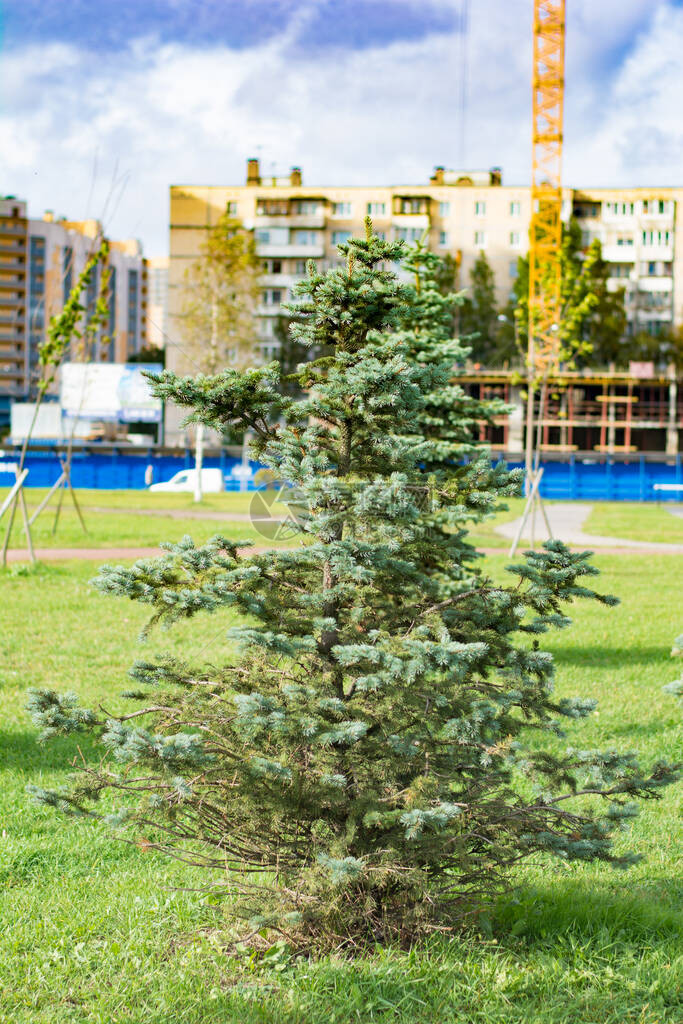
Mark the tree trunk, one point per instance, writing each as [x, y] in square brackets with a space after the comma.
[198, 461]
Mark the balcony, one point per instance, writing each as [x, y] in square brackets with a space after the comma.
[652, 253]
[655, 284]
[11, 353]
[8, 337]
[294, 220]
[280, 280]
[285, 250]
[410, 206]
[411, 220]
[619, 253]
[614, 284]
[12, 250]
[657, 220]
[12, 231]
[7, 302]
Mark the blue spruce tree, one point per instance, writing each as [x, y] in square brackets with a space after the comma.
[363, 767]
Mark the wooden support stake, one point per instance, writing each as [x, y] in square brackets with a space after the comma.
[58, 483]
[10, 503]
[533, 500]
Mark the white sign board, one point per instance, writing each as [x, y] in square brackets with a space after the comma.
[109, 391]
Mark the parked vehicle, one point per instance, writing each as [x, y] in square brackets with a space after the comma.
[212, 481]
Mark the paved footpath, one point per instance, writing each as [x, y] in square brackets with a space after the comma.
[566, 521]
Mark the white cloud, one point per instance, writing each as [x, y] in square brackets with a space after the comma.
[155, 115]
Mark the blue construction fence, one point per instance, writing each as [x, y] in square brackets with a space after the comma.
[118, 471]
[575, 479]
[609, 480]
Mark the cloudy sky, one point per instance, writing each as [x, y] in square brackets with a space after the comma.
[105, 103]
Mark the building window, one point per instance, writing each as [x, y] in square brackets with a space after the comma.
[620, 270]
[376, 209]
[111, 326]
[341, 209]
[417, 205]
[655, 206]
[480, 208]
[443, 238]
[656, 237]
[444, 209]
[271, 297]
[300, 268]
[272, 208]
[272, 236]
[620, 209]
[306, 237]
[625, 240]
[67, 272]
[132, 310]
[231, 208]
[409, 234]
[480, 239]
[340, 237]
[382, 235]
[309, 207]
[515, 208]
[514, 269]
[514, 239]
[272, 266]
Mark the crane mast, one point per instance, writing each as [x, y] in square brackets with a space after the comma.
[545, 232]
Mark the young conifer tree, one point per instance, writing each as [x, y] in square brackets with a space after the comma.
[450, 418]
[363, 765]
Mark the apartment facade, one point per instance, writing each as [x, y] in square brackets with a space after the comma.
[461, 213]
[157, 307]
[40, 260]
[640, 241]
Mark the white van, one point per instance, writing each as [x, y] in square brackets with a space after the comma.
[212, 481]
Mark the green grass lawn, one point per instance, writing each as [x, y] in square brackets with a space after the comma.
[225, 503]
[637, 521]
[124, 526]
[98, 932]
[119, 529]
[632, 521]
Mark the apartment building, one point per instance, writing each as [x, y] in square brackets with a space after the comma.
[458, 212]
[637, 229]
[40, 260]
[157, 308]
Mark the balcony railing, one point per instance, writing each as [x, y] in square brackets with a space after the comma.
[12, 231]
[284, 250]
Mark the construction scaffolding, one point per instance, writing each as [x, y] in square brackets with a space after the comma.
[584, 413]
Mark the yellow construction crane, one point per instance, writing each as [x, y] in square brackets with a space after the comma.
[545, 233]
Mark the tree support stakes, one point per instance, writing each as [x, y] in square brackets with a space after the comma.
[534, 501]
[16, 496]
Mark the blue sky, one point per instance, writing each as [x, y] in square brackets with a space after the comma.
[108, 25]
[104, 104]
